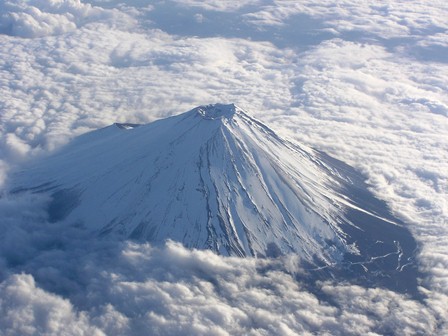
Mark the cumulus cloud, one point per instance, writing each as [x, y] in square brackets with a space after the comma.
[61, 279]
[39, 18]
[134, 289]
[386, 20]
[375, 97]
[217, 5]
[72, 86]
[28, 310]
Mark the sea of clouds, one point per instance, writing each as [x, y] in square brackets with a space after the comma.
[364, 81]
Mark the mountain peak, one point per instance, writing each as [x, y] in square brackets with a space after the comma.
[216, 111]
[238, 190]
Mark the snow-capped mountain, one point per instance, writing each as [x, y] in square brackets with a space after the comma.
[216, 178]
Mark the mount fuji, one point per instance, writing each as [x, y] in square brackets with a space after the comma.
[216, 178]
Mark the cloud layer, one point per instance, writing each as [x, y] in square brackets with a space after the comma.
[133, 289]
[367, 83]
[37, 18]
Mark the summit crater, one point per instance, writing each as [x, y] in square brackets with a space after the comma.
[217, 111]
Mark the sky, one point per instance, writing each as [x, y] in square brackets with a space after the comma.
[366, 82]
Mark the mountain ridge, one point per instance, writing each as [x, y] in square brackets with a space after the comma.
[216, 178]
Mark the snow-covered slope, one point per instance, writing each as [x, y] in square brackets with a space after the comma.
[216, 178]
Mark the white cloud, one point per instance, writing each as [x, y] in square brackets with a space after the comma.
[37, 18]
[376, 99]
[386, 20]
[218, 5]
[27, 310]
[71, 85]
[146, 290]
[354, 100]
